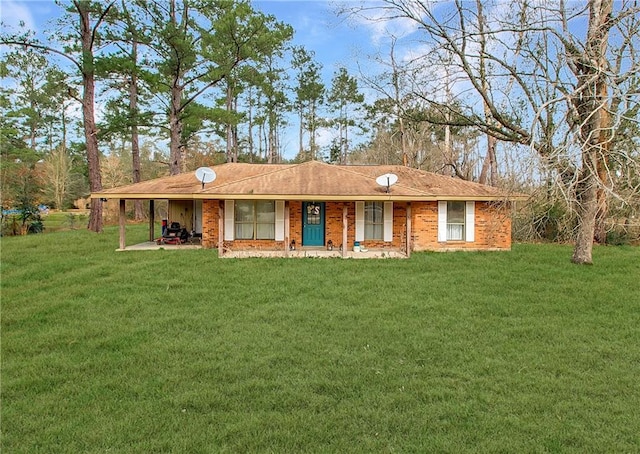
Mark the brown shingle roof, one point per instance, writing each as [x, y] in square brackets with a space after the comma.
[306, 181]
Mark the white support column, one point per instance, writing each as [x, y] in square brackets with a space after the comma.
[220, 229]
[229, 213]
[388, 222]
[359, 221]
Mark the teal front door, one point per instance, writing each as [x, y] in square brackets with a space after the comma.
[313, 224]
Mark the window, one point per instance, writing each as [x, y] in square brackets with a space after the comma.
[314, 213]
[255, 220]
[455, 221]
[373, 220]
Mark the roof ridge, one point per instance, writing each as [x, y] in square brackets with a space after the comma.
[285, 167]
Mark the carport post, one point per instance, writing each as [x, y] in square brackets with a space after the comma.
[220, 228]
[152, 220]
[408, 236]
[287, 229]
[345, 227]
[123, 221]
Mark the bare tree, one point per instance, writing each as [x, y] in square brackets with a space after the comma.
[537, 82]
[58, 167]
[489, 167]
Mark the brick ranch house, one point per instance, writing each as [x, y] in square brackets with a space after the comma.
[286, 208]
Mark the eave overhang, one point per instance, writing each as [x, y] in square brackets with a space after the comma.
[306, 197]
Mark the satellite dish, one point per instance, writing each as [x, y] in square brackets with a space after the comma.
[387, 180]
[205, 175]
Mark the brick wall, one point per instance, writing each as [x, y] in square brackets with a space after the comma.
[333, 222]
[295, 222]
[492, 227]
[211, 231]
[210, 226]
[333, 219]
[399, 230]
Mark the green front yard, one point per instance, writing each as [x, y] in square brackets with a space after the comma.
[177, 351]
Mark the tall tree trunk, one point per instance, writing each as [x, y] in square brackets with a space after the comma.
[345, 158]
[395, 78]
[235, 142]
[312, 129]
[231, 155]
[600, 231]
[448, 141]
[175, 128]
[271, 145]
[300, 130]
[63, 124]
[448, 149]
[135, 143]
[600, 234]
[587, 208]
[33, 126]
[88, 103]
[250, 123]
[591, 104]
[175, 109]
[489, 166]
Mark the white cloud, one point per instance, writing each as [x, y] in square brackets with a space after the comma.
[13, 13]
[324, 136]
[382, 26]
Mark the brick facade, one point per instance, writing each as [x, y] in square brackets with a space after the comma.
[210, 223]
[492, 228]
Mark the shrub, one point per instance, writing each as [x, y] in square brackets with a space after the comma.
[21, 221]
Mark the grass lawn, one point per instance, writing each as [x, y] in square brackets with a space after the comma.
[64, 220]
[177, 351]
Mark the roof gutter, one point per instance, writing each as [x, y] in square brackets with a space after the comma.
[303, 197]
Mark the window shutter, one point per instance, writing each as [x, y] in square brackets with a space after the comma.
[359, 221]
[469, 222]
[442, 221]
[229, 220]
[388, 221]
[279, 220]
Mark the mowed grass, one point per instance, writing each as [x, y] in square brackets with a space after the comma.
[64, 220]
[178, 351]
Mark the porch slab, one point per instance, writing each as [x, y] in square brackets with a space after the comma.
[153, 246]
[317, 253]
[298, 253]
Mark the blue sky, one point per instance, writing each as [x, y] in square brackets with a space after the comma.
[336, 41]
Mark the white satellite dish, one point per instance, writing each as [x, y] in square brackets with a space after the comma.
[387, 180]
[205, 175]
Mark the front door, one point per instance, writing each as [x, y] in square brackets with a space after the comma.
[313, 224]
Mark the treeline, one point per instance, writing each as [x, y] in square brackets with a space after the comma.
[538, 98]
[164, 86]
